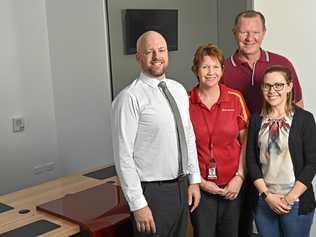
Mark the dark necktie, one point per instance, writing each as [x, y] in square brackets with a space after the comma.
[179, 125]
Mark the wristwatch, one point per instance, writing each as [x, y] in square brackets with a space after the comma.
[264, 195]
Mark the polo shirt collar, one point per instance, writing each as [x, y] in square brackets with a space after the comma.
[223, 97]
[151, 81]
[224, 93]
[264, 57]
[194, 95]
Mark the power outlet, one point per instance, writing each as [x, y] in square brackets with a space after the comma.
[18, 124]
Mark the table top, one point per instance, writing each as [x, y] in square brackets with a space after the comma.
[95, 209]
[31, 197]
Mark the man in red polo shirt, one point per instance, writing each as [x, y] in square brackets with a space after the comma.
[243, 71]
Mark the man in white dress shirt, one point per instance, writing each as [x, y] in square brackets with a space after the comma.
[146, 146]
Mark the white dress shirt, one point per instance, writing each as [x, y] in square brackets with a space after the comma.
[145, 137]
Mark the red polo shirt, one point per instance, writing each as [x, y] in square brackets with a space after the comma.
[239, 76]
[217, 131]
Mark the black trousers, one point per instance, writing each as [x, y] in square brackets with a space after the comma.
[216, 216]
[169, 205]
[246, 212]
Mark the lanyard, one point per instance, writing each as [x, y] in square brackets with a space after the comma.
[210, 132]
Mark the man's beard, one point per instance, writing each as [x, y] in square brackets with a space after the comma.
[157, 73]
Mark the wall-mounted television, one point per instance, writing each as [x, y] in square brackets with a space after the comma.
[137, 21]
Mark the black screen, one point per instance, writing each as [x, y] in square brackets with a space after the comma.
[138, 21]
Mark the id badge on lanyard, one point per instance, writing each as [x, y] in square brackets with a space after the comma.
[211, 168]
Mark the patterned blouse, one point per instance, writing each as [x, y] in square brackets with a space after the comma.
[275, 157]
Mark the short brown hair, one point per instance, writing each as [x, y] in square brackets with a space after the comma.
[250, 14]
[206, 50]
[289, 106]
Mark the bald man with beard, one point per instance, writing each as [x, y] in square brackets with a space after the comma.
[146, 146]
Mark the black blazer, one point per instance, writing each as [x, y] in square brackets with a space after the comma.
[302, 147]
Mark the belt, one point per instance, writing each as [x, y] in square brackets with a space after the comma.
[176, 180]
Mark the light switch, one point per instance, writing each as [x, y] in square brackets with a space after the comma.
[18, 124]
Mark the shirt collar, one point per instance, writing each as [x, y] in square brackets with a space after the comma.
[194, 96]
[151, 81]
[264, 57]
[195, 99]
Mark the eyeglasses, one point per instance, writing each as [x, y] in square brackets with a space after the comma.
[276, 86]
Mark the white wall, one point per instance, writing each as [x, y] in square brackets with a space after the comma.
[54, 73]
[26, 90]
[291, 31]
[81, 83]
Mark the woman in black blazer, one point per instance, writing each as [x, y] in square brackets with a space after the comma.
[281, 160]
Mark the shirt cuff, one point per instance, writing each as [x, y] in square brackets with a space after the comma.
[138, 203]
[195, 178]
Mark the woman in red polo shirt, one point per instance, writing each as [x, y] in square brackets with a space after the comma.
[219, 116]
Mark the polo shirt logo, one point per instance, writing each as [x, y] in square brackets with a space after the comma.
[228, 110]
